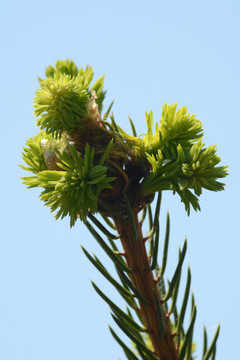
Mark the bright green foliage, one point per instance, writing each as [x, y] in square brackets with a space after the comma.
[173, 157]
[33, 154]
[195, 169]
[176, 127]
[179, 161]
[62, 101]
[60, 104]
[67, 67]
[75, 190]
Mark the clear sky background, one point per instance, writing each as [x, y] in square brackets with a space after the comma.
[151, 52]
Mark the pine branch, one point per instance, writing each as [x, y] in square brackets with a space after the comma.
[87, 165]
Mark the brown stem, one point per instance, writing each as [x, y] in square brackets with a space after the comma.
[143, 279]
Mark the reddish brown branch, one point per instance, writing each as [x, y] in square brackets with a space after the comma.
[143, 279]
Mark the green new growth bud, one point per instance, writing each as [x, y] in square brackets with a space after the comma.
[75, 190]
[201, 170]
[33, 154]
[67, 67]
[176, 127]
[41, 153]
[72, 183]
[60, 104]
[63, 101]
[194, 169]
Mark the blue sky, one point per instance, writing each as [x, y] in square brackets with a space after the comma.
[151, 52]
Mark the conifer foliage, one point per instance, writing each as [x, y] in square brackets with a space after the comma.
[87, 165]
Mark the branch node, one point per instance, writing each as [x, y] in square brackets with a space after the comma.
[122, 253]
